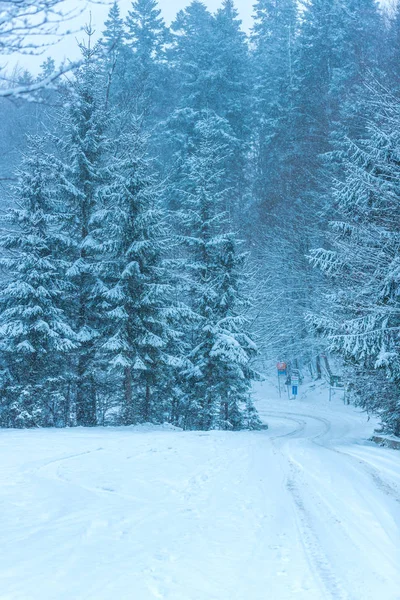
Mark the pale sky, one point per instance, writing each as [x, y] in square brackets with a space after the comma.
[67, 48]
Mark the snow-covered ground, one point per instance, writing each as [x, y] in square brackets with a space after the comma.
[306, 510]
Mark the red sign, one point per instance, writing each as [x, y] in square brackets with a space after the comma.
[281, 366]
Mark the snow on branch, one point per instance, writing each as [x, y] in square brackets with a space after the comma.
[29, 90]
[28, 27]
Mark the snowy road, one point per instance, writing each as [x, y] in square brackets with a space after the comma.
[307, 510]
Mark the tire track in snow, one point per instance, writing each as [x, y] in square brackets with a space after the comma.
[301, 425]
[320, 565]
[64, 458]
[58, 476]
[100, 490]
[387, 488]
[315, 550]
[319, 562]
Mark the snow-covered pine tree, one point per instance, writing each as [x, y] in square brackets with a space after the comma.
[274, 73]
[360, 318]
[113, 35]
[220, 375]
[196, 81]
[115, 58]
[82, 147]
[146, 38]
[210, 62]
[339, 45]
[233, 347]
[232, 100]
[190, 59]
[36, 338]
[192, 56]
[141, 342]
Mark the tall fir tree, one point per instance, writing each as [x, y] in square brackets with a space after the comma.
[274, 65]
[339, 45]
[146, 37]
[359, 312]
[82, 147]
[36, 337]
[115, 56]
[141, 342]
[220, 375]
[113, 34]
[210, 61]
[192, 56]
[232, 63]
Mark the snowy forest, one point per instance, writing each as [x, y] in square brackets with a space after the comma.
[191, 203]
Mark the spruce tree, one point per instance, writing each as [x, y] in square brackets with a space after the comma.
[192, 56]
[274, 71]
[233, 93]
[113, 35]
[146, 38]
[339, 46]
[82, 147]
[220, 376]
[210, 63]
[36, 337]
[141, 343]
[115, 57]
[359, 312]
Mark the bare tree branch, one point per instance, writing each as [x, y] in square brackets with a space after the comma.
[22, 21]
[29, 90]
[28, 27]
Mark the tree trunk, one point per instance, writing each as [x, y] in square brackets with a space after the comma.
[318, 365]
[67, 405]
[129, 413]
[80, 392]
[85, 395]
[146, 411]
[327, 365]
